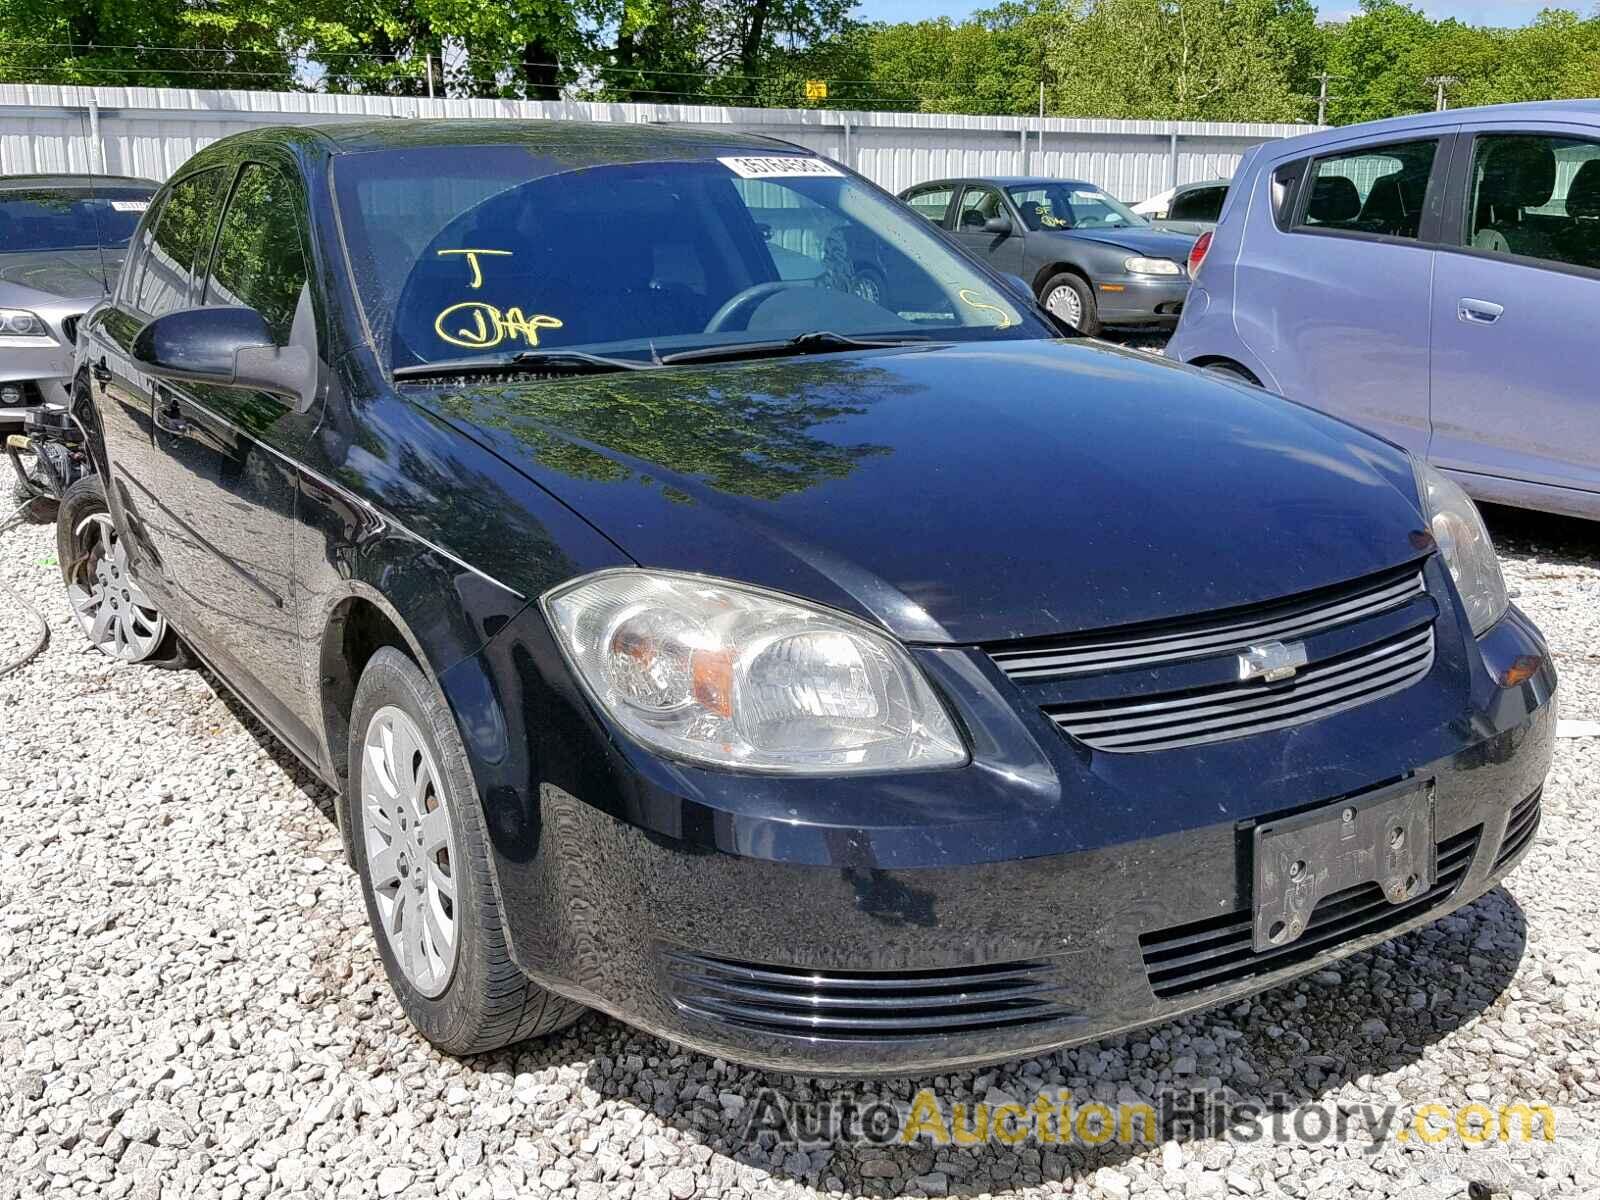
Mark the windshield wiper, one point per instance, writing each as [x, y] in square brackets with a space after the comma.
[575, 362]
[818, 341]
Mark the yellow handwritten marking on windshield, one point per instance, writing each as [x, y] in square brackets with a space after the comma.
[472, 261]
[972, 300]
[476, 325]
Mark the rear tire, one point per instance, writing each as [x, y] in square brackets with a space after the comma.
[1070, 298]
[111, 607]
[422, 854]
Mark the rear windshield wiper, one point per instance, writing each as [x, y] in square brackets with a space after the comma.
[575, 362]
[818, 341]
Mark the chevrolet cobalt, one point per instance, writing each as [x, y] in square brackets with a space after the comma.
[828, 677]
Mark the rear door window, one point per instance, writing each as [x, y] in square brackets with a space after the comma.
[978, 204]
[932, 203]
[1378, 190]
[1535, 196]
[1198, 204]
[183, 233]
[260, 261]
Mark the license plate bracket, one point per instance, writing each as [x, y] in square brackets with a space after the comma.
[1385, 837]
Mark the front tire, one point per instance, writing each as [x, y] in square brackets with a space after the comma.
[422, 854]
[109, 603]
[1070, 298]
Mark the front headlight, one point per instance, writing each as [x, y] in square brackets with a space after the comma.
[1151, 266]
[1463, 540]
[737, 677]
[19, 322]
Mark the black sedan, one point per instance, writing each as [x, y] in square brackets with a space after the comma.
[1087, 257]
[833, 678]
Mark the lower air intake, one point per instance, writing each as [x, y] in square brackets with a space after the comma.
[865, 1004]
[1217, 951]
[1520, 828]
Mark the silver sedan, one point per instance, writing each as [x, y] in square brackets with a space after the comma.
[62, 241]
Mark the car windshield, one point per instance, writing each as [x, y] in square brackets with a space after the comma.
[489, 251]
[1071, 206]
[69, 218]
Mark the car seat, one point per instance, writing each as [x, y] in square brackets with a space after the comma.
[1334, 201]
[1579, 241]
[1394, 205]
[1518, 173]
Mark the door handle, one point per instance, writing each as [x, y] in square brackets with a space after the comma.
[1478, 312]
[101, 372]
[170, 420]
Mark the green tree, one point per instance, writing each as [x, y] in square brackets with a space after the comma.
[1190, 60]
[220, 44]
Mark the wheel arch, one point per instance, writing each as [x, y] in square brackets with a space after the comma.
[1212, 361]
[1047, 272]
[356, 626]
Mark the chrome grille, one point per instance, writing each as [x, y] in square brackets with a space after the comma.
[1291, 619]
[1218, 950]
[865, 1004]
[1215, 714]
[69, 330]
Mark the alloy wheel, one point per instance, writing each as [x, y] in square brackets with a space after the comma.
[410, 850]
[867, 288]
[1065, 303]
[111, 607]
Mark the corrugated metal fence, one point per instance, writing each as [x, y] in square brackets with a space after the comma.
[150, 131]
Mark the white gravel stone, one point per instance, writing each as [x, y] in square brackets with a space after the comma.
[191, 1005]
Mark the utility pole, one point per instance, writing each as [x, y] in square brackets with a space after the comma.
[1322, 97]
[1439, 83]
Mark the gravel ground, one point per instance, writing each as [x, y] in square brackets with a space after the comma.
[190, 1002]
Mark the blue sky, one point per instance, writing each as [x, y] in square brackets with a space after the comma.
[1477, 12]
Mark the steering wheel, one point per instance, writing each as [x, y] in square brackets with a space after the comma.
[746, 298]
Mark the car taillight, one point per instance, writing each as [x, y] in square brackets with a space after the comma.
[1197, 255]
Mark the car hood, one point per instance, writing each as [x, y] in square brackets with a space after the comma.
[964, 493]
[1153, 243]
[70, 274]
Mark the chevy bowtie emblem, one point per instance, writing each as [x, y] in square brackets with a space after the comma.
[1272, 661]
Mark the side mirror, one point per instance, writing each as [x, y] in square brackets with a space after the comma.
[1019, 285]
[225, 347]
[997, 225]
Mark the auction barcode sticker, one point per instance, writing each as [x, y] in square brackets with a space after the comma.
[130, 205]
[778, 166]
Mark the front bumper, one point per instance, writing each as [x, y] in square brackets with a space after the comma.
[1141, 299]
[1040, 897]
[39, 369]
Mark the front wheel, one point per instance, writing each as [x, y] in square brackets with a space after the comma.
[110, 605]
[1070, 298]
[417, 832]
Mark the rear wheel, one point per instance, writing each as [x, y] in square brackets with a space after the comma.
[422, 854]
[1070, 298]
[111, 606]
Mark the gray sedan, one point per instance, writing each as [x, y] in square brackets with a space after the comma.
[1089, 259]
[62, 240]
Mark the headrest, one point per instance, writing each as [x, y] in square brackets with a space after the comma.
[1583, 197]
[1334, 198]
[1518, 172]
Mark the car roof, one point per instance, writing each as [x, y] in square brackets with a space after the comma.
[1529, 110]
[603, 140]
[1202, 183]
[13, 183]
[1009, 180]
